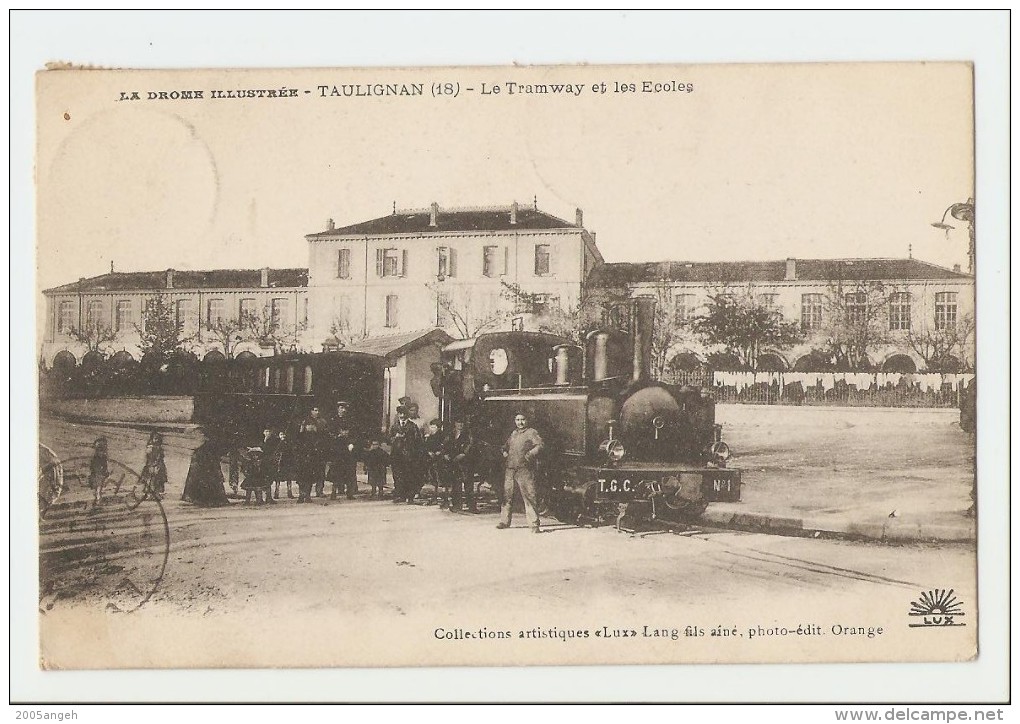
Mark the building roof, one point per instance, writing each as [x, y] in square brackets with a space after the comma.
[418, 221]
[621, 274]
[187, 279]
[393, 346]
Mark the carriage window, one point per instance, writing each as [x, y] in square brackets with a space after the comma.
[308, 379]
[290, 380]
[275, 376]
[265, 378]
[498, 361]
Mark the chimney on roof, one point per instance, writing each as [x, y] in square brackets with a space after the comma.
[111, 266]
[513, 213]
[578, 217]
[169, 278]
[330, 225]
[791, 270]
[264, 280]
[956, 268]
[434, 215]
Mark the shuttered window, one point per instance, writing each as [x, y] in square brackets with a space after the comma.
[542, 265]
[489, 261]
[495, 263]
[391, 262]
[446, 262]
[343, 264]
[391, 310]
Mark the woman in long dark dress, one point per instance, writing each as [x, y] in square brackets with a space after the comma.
[204, 485]
[154, 473]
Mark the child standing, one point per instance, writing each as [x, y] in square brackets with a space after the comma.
[154, 473]
[284, 465]
[376, 460]
[99, 469]
[436, 470]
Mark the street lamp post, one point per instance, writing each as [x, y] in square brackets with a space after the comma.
[961, 212]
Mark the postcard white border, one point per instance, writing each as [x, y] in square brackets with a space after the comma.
[223, 39]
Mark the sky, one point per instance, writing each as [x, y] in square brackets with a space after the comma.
[756, 162]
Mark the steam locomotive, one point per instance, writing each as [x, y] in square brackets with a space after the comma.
[621, 448]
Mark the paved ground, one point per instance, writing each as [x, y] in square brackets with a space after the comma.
[366, 582]
[847, 470]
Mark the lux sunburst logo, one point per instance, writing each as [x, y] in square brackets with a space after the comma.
[937, 608]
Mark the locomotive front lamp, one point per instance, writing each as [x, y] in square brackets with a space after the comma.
[721, 452]
[613, 450]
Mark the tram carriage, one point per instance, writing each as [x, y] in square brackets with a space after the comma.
[240, 398]
[621, 447]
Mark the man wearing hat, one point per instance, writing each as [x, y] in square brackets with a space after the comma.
[405, 457]
[343, 463]
[313, 441]
[413, 412]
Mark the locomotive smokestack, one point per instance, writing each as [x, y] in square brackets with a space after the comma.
[598, 351]
[561, 364]
[642, 326]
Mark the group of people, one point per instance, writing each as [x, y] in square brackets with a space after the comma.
[328, 450]
[324, 450]
[452, 459]
[446, 461]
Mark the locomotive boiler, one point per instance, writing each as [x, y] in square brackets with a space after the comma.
[620, 446]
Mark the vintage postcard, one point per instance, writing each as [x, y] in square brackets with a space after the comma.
[505, 366]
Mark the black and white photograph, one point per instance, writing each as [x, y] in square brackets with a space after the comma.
[509, 365]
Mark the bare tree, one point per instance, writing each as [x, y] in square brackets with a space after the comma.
[549, 315]
[94, 335]
[345, 330]
[467, 313]
[856, 321]
[937, 347]
[671, 331]
[229, 332]
[263, 327]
